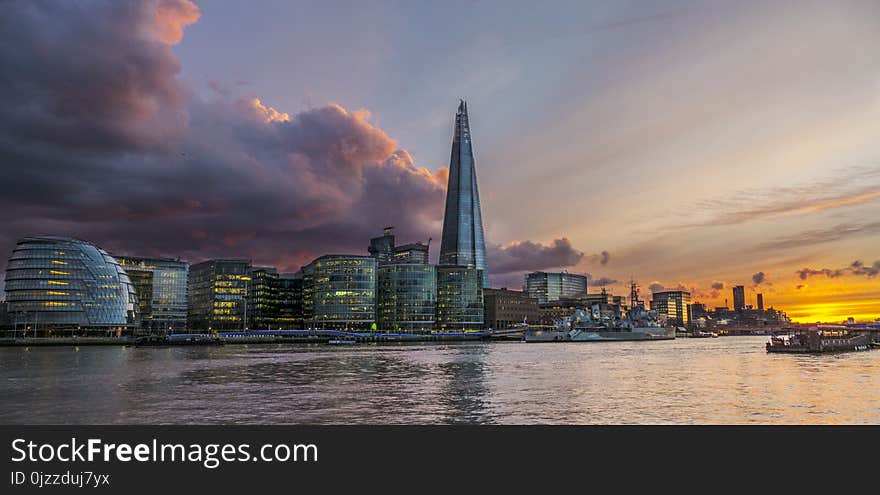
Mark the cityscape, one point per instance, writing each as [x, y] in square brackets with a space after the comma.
[593, 212]
[59, 286]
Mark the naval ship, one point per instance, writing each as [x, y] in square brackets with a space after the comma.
[604, 322]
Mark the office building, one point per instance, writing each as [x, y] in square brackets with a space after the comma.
[217, 291]
[61, 283]
[339, 292]
[739, 298]
[407, 297]
[161, 290]
[463, 242]
[548, 287]
[290, 300]
[263, 299]
[674, 304]
[504, 308]
[459, 298]
[382, 247]
[760, 302]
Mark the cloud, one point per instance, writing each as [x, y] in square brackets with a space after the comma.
[601, 281]
[100, 139]
[858, 268]
[718, 285]
[821, 236]
[656, 286]
[855, 268]
[808, 272]
[759, 278]
[522, 256]
[850, 186]
[602, 258]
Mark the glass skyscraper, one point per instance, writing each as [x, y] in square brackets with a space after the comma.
[61, 283]
[463, 243]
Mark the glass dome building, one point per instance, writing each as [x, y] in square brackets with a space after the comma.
[56, 282]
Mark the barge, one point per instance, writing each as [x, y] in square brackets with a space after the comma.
[821, 339]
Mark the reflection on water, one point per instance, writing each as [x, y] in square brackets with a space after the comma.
[725, 380]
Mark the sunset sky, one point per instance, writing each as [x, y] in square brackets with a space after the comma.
[686, 144]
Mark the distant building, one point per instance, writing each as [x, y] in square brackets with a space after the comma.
[382, 248]
[760, 302]
[459, 298]
[339, 292]
[739, 298]
[675, 304]
[411, 253]
[549, 286]
[263, 298]
[504, 308]
[290, 300]
[551, 312]
[217, 294]
[161, 289]
[61, 283]
[698, 310]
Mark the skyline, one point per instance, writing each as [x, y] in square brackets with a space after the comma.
[686, 144]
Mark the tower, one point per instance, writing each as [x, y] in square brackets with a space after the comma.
[463, 243]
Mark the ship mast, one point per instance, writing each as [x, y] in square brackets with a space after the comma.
[633, 294]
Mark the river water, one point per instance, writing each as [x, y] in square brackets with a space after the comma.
[723, 380]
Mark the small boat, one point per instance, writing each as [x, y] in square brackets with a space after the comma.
[343, 342]
[704, 335]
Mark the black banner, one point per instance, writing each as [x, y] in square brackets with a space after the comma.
[236, 458]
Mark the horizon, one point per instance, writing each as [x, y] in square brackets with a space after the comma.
[690, 145]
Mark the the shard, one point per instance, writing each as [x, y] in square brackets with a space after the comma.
[463, 243]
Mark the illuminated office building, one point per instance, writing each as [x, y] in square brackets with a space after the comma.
[216, 294]
[548, 287]
[161, 290]
[339, 292]
[263, 298]
[674, 304]
[459, 298]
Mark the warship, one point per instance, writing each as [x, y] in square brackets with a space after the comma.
[606, 322]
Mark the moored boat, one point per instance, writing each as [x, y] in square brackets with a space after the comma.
[820, 339]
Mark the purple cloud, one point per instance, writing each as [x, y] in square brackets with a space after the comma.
[100, 139]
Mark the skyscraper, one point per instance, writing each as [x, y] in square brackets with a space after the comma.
[463, 243]
[739, 298]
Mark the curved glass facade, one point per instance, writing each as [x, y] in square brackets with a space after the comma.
[407, 297]
[59, 282]
[339, 292]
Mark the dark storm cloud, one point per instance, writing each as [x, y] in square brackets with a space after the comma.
[759, 278]
[530, 256]
[99, 139]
